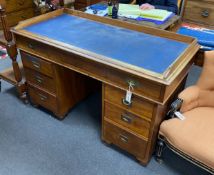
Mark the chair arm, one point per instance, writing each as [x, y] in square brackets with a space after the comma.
[190, 98]
[187, 100]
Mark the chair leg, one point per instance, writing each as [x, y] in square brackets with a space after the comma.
[159, 150]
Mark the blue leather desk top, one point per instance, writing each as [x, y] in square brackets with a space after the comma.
[143, 50]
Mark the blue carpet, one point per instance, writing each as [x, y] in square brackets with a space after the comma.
[32, 142]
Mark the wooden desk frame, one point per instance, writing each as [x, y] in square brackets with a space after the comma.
[151, 95]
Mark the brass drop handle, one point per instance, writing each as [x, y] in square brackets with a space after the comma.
[23, 17]
[126, 118]
[205, 13]
[124, 138]
[31, 46]
[39, 79]
[42, 97]
[36, 64]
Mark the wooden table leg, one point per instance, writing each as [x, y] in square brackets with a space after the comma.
[12, 52]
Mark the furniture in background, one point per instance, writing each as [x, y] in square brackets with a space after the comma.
[17, 10]
[51, 5]
[181, 5]
[192, 138]
[13, 11]
[58, 66]
[199, 12]
[12, 75]
[166, 25]
[80, 4]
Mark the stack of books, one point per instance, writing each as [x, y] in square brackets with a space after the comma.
[133, 11]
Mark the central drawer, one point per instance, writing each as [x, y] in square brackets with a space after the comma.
[32, 46]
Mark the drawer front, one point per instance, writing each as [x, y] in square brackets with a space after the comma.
[40, 80]
[37, 64]
[32, 46]
[15, 5]
[200, 12]
[127, 119]
[138, 106]
[42, 98]
[143, 87]
[15, 17]
[124, 139]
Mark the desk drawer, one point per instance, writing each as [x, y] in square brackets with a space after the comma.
[40, 80]
[15, 5]
[124, 139]
[40, 97]
[138, 106]
[37, 64]
[124, 118]
[32, 46]
[143, 87]
[200, 12]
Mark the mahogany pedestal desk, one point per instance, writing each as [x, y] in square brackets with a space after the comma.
[62, 49]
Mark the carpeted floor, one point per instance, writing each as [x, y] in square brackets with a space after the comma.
[3, 52]
[32, 142]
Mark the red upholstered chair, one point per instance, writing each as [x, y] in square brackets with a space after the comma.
[193, 137]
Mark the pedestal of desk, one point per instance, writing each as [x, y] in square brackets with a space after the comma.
[133, 127]
[54, 87]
